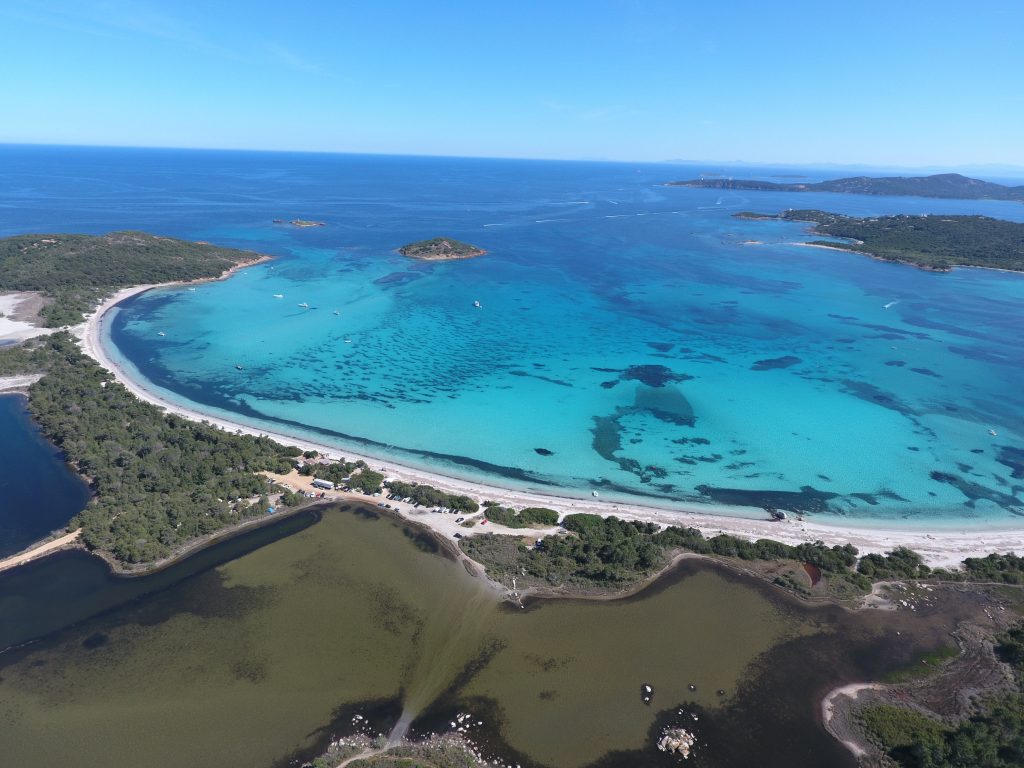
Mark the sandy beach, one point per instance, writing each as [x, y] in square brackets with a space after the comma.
[940, 548]
[18, 313]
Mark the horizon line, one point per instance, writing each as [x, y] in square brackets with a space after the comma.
[670, 161]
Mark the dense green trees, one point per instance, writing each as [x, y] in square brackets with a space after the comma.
[608, 550]
[158, 480]
[367, 481]
[77, 271]
[428, 496]
[524, 518]
[934, 242]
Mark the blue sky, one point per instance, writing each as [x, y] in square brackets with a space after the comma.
[907, 83]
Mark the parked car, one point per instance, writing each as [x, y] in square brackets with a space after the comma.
[459, 519]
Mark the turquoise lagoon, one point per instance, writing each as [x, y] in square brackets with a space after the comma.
[633, 339]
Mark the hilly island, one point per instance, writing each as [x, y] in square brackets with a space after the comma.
[944, 185]
[937, 243]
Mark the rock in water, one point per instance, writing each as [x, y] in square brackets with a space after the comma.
[678, 741]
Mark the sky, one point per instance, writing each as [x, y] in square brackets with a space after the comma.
[912, 83]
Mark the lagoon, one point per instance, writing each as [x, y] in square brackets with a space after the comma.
[38, 492]
[268, 648]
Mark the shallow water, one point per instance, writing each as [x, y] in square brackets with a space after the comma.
[628, 330]
[260, 659]
[38, 492]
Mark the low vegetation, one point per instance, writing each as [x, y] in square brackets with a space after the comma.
[440, 249]
[78, 271]
[993, 738]
[610, 552]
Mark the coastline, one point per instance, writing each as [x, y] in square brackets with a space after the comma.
[938, 548]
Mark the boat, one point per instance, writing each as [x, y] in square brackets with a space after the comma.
[304, 305]
[278, 295]
[993, 433]
[238, 366]
[646, 693]
[476, 304]
[161, 333]
[348, 341]
[337, 312]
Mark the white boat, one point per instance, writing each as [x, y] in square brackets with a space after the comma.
[348, 341]
[993, 433]
[304, 305]
[476, 304]
[337, 312]
[278, 295]
[161, 333]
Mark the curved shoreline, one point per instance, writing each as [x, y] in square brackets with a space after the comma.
[939, 548]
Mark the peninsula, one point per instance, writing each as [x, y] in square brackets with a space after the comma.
[440, 249]
[943, 185]
[936, 243]
[73, 273]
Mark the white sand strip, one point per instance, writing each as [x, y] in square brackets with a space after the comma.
[940, 548]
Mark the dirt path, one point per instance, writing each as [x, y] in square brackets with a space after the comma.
[38, 551]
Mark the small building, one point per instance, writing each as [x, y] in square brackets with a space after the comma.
[327, 485]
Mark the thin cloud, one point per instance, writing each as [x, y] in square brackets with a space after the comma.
[290, 59]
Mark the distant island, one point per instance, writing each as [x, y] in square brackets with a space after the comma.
[945, 185]
[440, 249]
[937, 243]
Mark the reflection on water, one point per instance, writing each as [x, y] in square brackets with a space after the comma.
[261, 659]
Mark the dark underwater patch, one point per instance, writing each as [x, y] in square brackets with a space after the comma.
[548, 379]
[398, 278]
[775, 362]
[876, 395]
[653, 375]
[807, 499]
[1011, 457]
[661, 346]
[544, 452]
[895, 363]
[926, 372]
[95, 640]
[974, 491]
[667, 404]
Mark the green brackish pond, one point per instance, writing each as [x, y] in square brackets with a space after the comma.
[257, 661]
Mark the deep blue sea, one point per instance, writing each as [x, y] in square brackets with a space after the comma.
[632, 338]
[38, 492]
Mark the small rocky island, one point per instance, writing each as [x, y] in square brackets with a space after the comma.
[440, 249]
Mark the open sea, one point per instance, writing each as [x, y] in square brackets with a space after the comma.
[633, 339]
